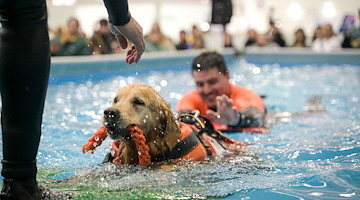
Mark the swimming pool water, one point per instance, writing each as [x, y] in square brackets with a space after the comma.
[308, 156]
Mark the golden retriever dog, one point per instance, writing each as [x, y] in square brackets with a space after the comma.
[166, 137]
[141, 105]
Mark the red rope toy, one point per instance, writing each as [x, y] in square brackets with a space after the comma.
[137, 136]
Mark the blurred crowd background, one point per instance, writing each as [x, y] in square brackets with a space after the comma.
[80, 27]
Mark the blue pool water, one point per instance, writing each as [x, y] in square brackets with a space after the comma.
[309, 156]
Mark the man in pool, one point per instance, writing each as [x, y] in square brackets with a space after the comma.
[229, 107]
[24, 75]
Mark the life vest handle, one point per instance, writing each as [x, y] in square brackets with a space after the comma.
[194, 115]
[204, 125]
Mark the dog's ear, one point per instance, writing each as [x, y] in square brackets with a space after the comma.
[171, 126]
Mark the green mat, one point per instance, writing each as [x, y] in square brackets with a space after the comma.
[95, 185]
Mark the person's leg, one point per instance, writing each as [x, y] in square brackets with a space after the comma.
[24, 74]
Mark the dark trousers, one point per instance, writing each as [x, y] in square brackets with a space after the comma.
[24, 75]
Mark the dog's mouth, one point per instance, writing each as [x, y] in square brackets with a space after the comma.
[117, 133]
[115, 128]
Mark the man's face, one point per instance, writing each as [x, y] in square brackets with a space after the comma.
[210, 84]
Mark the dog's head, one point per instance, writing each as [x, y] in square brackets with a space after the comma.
[141, 105]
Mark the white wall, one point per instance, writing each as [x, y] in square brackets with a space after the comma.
[174, 15]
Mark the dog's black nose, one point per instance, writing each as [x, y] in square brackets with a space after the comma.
[111, 112]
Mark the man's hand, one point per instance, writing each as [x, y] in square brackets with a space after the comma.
[226, 113]
[133, 32]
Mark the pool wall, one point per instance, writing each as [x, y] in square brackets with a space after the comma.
[116, 62]
[87, 65]
[289, 56]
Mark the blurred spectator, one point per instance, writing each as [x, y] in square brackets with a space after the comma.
[196, 39]
[251, 40]
[355, 36]
[275, 35]
[228, 40]
[155, 40]
[70, 42]
[328, 41]
[54, 32]
[262, 40]
[300, 38]
[346, 29]
[317, 33]
[182, 45]
[346, 43]
[199, 43]
[103, 41]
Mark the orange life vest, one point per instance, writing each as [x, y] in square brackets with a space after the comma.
[198, 148]
[241, 96]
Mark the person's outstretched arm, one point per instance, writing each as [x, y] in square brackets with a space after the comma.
[125, 28]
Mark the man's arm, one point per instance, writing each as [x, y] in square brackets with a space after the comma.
[118, 11]
[249, 117]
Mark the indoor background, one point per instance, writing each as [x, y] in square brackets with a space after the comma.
[174, 15]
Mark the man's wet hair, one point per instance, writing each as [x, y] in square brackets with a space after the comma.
[209, 60]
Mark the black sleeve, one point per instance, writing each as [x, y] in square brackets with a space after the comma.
[250, 117]
[118, 11]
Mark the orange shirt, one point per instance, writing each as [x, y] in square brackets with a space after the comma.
[242, 97]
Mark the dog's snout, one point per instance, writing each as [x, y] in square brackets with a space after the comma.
[111, 113]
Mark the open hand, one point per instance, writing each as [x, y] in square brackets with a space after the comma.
[226, 112]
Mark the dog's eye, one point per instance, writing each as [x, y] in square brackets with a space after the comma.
[115, 100]
[138, 102]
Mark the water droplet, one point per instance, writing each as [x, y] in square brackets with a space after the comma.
[163, 83]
